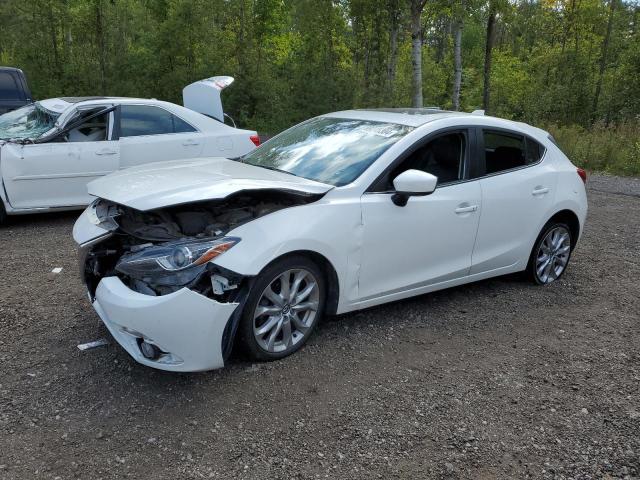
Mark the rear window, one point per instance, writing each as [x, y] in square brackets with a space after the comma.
[503, 151]
[138, 120]
[9, 89]
[509, 150]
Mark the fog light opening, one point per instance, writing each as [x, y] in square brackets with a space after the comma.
[149, 350]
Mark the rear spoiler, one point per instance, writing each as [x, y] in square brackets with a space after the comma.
[203, 96]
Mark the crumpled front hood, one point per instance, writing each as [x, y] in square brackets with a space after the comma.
[164, 184]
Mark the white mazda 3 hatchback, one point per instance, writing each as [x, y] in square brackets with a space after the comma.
[348, 210]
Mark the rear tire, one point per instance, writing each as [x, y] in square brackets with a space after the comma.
[283, 308]
[3, 213]
[551, 253]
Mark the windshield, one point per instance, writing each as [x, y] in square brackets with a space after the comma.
[30, 121]
[328, 150]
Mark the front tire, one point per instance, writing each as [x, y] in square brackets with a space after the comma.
[551, 253]
[283, 308]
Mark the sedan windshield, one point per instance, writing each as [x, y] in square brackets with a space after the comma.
[30, 121]
[328, 150]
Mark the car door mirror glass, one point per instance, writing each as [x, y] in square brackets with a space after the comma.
[412, 183]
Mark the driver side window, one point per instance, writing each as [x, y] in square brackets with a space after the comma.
[443, 157]
[93, 129]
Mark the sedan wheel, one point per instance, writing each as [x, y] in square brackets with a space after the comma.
[283, 308]
[551, 254]
[286, 310]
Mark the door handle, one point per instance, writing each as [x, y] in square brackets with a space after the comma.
[539, 190]
[467, 209]
[106, 151]
[190, 143]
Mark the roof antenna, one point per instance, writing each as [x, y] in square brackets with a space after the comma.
[477, 112]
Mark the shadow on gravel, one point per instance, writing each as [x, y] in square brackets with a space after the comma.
[41, 220]
[444, 310]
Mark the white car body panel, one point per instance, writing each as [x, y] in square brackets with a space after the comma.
[380, 252]
[126, 313]
[443, 245]
[54, 175]
[509, 215]
[173, 183]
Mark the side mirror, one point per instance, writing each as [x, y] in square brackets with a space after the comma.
[412, 183]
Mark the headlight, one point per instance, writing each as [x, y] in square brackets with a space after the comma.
[176, 263]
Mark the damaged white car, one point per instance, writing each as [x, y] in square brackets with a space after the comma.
[342, 212]
[51, 149]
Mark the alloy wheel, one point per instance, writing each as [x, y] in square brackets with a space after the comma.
[553, 254]
[286, 310]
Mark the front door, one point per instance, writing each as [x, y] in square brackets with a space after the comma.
[431, 238]
[55, 174]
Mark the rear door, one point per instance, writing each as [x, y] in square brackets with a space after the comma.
[55, 174]
[518, 189]
[149, 133]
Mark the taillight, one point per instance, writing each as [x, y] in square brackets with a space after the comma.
[583, 175]
[255, 139]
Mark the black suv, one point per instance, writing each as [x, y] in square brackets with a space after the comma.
[14, 91]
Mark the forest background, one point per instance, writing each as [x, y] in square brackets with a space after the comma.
[569, 66]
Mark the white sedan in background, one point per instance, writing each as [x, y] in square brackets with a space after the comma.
[51, 149]
[342, 212]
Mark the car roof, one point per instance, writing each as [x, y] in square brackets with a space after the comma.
[413, 117]
[416, 117]
[10, 69]
[61, 104]
[81, 99]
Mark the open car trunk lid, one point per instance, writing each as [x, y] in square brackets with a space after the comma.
[177, 182]
[203, 96]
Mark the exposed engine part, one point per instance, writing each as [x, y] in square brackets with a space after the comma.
[137, 231]
[221, 284]
[205, 219]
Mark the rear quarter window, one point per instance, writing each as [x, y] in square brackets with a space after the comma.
[535, 151]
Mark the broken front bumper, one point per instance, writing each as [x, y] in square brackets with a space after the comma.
[187, 327]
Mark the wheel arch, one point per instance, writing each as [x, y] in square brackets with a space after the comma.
[571, 219]
[329, 271]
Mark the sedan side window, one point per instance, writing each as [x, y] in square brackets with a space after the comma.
[137, 120]
[443, 157]
[94, 129]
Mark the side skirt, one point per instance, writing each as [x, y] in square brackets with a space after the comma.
[516, 267]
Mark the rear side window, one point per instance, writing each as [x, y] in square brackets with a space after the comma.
[137, 120]
[9, 89]
[503, 151]
[534, 151]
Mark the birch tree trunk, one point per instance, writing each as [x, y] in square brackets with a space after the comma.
[416, 52]
[457, 62]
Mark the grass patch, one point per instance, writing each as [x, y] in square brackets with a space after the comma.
[613, 149]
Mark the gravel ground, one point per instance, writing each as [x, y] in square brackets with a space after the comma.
[498, 379]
